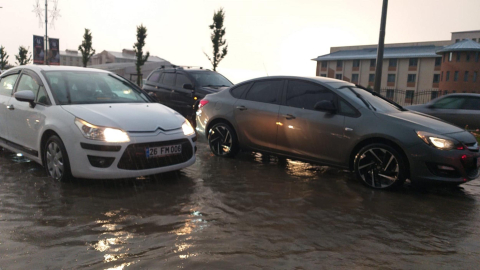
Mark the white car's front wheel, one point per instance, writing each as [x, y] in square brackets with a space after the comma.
[56, 159]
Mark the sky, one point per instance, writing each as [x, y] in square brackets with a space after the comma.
[265, 37]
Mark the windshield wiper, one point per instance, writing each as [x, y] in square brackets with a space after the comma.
[368, 104]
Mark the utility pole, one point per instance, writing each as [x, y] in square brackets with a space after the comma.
[46, 33]
[380, 48]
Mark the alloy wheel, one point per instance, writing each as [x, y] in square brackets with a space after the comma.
[220, 140]
[55, 163]
[378, 168]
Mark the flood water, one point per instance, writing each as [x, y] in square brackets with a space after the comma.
[244, 213]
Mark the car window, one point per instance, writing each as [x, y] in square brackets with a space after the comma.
[7, 83]
[210, 78]
[154, 77]
[265, 91]
[305, 95]
[27, 82]
[345, 108]
[450, 103]
[181, 80]
[160, 80]
[472, 104]
[85, 87]
[42, 97]
[169, 79]
[238, 91]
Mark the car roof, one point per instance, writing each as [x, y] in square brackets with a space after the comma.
[462, 95]
[39, 68]
[325, 80]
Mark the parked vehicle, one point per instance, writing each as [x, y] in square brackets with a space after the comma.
[181, 89]
[89, 123]
[339, 124]
[462, 110]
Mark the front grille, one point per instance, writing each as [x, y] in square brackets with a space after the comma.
[135, 158]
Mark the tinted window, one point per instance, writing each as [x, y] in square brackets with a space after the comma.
[265, 91]
[345, 108]
[162, 75]
[154, 77]
[6, 85]
[181, 80]
[450, 103]
[305, 95]
[238, 91]
[169, 79]
[210, 78]
[472, 104]
[28, 83]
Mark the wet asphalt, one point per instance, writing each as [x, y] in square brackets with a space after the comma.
[251, 212]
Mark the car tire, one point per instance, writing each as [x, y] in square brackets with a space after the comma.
[56, 159]
[380, 166]
[223, 140]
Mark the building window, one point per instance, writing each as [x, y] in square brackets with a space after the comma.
[450, 57]
[475, 76]
[436, 78]
[448, 76]
[413, 62]
[465, 78]
[411, 78]
[391, 78]
[373, 63]
[476, 56]
[323, 75]
[338, 76]
[390, 93]
[468, 57]
[324, 64]
[458, 56]
[339, 63]
[356, 63]
[355, 78]
[474, 39]
[455, 77]
[409, 96]
[457, 40]
[442, 77]
[445, 92]
[444, 56]
[438, 61]
[433, 95]
[392, 62]
[371, 77]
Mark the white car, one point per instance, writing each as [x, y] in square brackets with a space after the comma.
[89, 123]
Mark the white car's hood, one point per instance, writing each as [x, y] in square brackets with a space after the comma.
[140, 117]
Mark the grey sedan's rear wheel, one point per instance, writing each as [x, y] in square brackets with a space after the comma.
[56, 159]
[380, 166]
[223, 140]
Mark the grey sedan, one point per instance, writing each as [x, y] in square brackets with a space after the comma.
[462, 110]
[339, 124]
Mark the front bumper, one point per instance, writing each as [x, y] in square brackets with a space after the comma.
[129, 159]
[431, 164]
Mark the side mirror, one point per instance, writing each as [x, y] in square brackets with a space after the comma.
[188, 86]
[326, 106]
[26, 96]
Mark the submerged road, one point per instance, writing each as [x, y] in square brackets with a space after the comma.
[250, 212]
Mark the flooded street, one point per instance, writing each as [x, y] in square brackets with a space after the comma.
[243, 213]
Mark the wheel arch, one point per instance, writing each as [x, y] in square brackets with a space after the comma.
[373, 140]
[46, 134]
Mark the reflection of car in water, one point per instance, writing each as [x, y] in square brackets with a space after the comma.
[181, 89]
[90, 123]
[337, 123]
[462, 110]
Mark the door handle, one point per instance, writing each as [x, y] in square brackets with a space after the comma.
[241, 108]
[10, 107]
[288, 116]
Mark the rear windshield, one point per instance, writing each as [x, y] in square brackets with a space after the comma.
[86, 87]
[212, 79]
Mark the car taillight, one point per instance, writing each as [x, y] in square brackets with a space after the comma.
[203, 102]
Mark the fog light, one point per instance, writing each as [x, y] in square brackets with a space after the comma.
[445, 168]
[101, 162]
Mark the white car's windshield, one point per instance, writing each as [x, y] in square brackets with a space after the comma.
[78, 87]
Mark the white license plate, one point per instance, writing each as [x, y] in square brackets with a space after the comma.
[163, 151]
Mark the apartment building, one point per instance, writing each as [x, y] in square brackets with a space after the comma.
[74, 58]
[410, 67]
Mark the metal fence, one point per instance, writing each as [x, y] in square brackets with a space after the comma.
[410, 97]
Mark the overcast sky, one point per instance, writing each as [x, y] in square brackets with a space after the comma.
[275, 36]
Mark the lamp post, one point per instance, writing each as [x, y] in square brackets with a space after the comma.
[380, 48]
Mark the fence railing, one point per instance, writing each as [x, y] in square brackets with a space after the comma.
[410, 97]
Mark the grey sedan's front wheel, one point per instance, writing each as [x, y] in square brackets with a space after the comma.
[56, 159]
[380, 166]
[223, 140]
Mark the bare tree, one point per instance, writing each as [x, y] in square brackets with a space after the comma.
[219, 44]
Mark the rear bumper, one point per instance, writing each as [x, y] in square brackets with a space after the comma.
[452, 166]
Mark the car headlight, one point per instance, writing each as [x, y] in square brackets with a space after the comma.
[187, 128]
[437, 141]
[106, 134]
